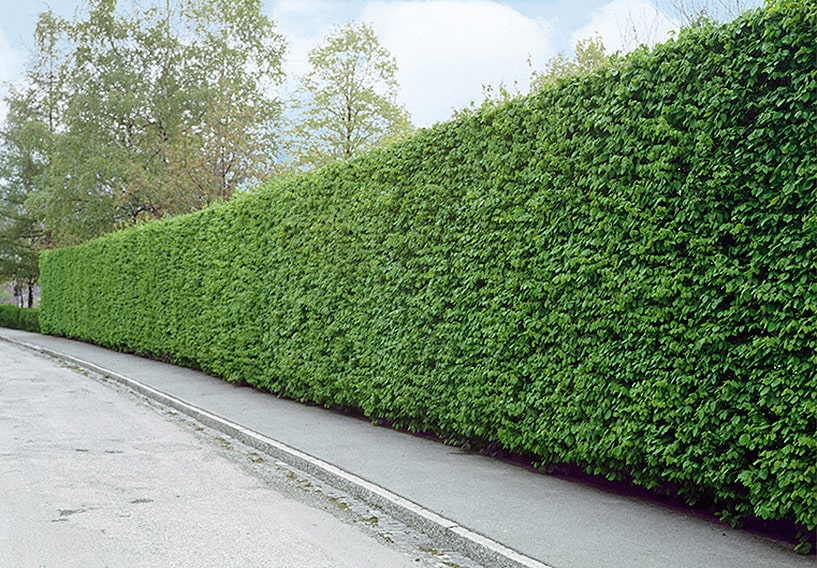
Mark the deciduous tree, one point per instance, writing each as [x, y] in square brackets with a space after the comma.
[347, 102]
[589, 56]
[152, 113]
[21, 234]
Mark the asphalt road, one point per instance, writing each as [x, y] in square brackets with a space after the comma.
[92, 475]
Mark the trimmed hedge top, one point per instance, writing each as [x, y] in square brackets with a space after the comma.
[616, 273]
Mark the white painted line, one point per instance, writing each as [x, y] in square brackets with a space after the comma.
[483, 549]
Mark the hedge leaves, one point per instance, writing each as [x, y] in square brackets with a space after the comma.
[618, 273]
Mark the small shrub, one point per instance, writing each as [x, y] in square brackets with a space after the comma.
[19, 318]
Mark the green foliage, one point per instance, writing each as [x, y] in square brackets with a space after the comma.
[616, 273]
[21, 235]
[146, 114]
[19, 318]
[589, 58]
[347, 102]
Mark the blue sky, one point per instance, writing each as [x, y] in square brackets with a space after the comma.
[446, 49]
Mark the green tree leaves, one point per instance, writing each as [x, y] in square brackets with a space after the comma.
[347, 102]
[149, 114]
[22, 161]
[589, 57]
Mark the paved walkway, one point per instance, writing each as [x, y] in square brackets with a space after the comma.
[504, 515]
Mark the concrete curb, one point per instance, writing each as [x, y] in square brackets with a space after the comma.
[482, 549]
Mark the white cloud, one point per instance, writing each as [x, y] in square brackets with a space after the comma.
[447, 50]
[625, 24]
[304, 24]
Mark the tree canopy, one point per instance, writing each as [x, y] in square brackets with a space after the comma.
[347, 103]
[148, 113]
[589, 56]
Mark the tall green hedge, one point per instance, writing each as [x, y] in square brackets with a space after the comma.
[617, 273]
[19, 318]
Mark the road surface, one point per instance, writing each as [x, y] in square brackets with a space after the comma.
[92, 475]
